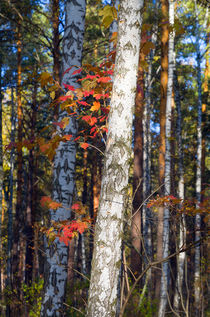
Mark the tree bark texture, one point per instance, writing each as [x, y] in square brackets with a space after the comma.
[166, 228]
[163, 83]
[64, 164]
[108, 232]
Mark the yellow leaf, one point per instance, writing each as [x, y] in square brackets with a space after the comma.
[45, 78]
[52, 95]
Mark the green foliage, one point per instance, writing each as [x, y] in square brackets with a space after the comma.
[33, 298]
[141, 307]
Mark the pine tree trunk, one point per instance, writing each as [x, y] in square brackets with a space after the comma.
[64, 164]
[108, 231]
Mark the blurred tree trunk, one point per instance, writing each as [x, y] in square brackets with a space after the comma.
[197, 277]
[136, 234]
[17, 273]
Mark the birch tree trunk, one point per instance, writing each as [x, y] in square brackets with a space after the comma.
[64, 164]
[165, 266]
[108, 232]
[182, 226]
[197, 282]
[163, 83]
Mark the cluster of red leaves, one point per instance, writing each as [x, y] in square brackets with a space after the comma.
[67, 232]
[47, 202]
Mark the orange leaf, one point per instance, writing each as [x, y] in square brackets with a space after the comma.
[84, 145]
[68, 137]
[54, 205]
[96, 106]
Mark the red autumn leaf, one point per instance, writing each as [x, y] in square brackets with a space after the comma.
[77, 71]
[77, 138]
[83, 103]
[69, 87]
[86, 118]
[68, 137]
[59, 124]
[84, 145]
[45, 200]
[81, 227]
[103, 79]
[99, 96]
[44, 147]
[92, 130]
[64, 98]
[67, 70]
[92, 121]
[88, 93]
[108, 72]
[75, 206]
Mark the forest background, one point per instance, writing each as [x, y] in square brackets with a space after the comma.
[57, 71]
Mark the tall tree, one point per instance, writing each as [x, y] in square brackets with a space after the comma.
[163, 87]
[197, 284]
[64, 163]
[108, 231]
[167, 176]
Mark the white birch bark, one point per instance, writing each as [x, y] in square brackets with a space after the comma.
[197, 282]
[165, 265]
[64, 165]
[182, 226]
[108, 232]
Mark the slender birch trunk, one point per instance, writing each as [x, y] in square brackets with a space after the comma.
[64, 164]
[182, 225]
[165, 266]
[197, 277]
[108, 232]
[163, 83]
